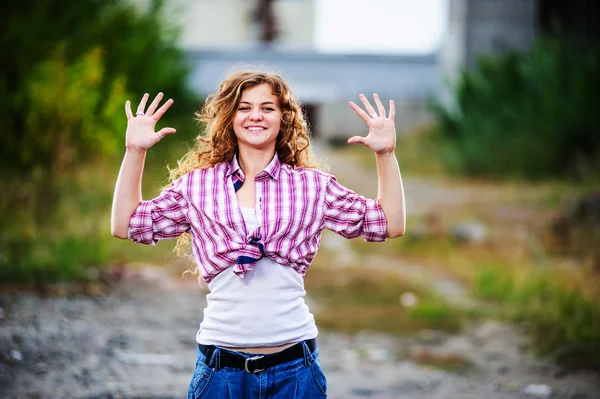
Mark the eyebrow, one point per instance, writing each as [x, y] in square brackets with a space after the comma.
[264, 103]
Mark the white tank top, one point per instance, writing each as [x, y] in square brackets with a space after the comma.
[265, 308]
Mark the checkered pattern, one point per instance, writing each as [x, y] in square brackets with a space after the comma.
[293, 208]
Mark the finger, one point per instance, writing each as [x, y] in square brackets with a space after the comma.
[356, 140]
[154, 104]
[166, 130]
[392, 110]
[380, 106]
[128, 110]
[368, 106]
[363, 115]
[142, 105]
[157, 115]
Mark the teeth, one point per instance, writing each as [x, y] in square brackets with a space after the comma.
[256, 128]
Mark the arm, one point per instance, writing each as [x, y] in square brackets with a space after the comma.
[382, 140]
[140, 137]
[390, 194]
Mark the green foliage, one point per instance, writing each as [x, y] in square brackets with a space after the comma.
[71, 67]
[356, 299]
[437, 314]
[493, 284]
[49, 258]
[82, 124]
[558, 317]
[525, 115]
[100, 52]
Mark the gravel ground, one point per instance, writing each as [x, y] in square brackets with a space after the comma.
[136, 339]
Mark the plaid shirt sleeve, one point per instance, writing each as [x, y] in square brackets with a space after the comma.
[352, 215]
[162, 217]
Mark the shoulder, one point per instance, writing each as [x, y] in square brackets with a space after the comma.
[200, 175]
[218, 170]
[306, 172]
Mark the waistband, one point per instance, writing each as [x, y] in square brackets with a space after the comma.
[218, 358]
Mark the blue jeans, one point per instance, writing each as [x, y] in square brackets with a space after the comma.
[300, 378]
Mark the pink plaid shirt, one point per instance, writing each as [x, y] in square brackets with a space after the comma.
[294, 206]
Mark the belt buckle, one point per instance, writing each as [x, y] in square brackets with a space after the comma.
[255, 370]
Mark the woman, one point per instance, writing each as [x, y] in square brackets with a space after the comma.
[255, 208]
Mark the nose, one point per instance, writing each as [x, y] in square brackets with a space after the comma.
[255, 114]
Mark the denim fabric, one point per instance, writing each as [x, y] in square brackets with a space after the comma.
[301, 378]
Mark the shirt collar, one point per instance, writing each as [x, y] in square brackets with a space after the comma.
[272, 168]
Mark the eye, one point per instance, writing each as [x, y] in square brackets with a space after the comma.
[269, 109]
[243, 108]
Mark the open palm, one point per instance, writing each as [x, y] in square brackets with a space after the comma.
[382, 130]
[140, 127]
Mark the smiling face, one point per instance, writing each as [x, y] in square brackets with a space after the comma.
[257, 120]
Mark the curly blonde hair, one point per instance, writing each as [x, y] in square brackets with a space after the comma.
[218, 143]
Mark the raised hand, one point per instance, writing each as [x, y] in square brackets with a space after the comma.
[382, 130]
[140, 127]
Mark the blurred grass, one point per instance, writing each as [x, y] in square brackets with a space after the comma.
[155, 177]
[561, 312]
[415, 152]
[450, 362]
[353, 299]
[556, 299]
[554, 295]
[78, 241]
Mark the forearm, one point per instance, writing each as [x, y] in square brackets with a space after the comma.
[128, 192]
[390, 193]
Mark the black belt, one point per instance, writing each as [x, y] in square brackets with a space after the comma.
[257, 363]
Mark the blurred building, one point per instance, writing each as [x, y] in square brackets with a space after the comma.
[493, 27]
[486, 27]
[325, 83]
[221, 36]
[483, 28]
[228, 25]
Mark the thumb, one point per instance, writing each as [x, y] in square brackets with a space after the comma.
[356, 140]
[166, 130]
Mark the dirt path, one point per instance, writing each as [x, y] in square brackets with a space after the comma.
[137, 339]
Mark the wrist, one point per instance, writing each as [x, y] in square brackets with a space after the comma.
[386, 153]
[135, 151]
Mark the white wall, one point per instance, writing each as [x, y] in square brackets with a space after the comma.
[296, 23]
[227, 24]
[213, 23]
[454, 50]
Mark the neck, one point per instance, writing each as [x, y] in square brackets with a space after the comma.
[253, 161]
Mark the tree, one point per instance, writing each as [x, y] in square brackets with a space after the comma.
[67, 70]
